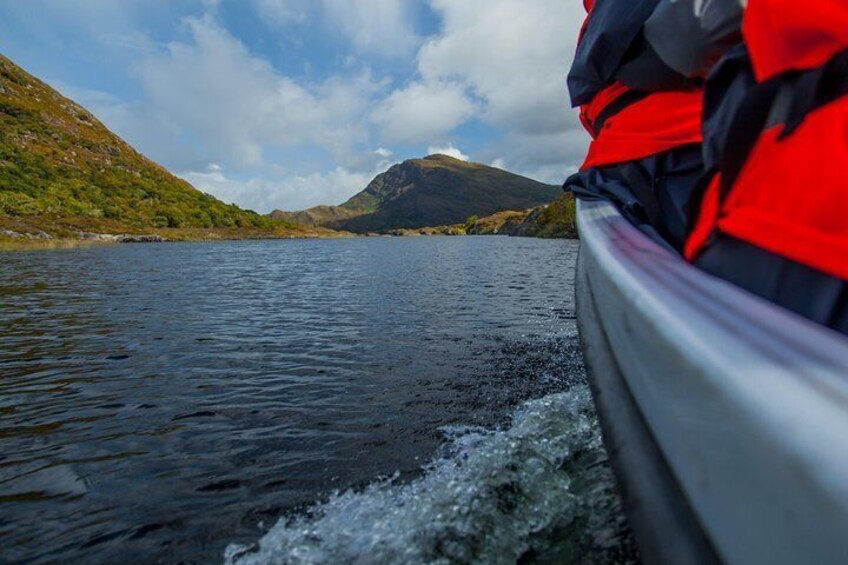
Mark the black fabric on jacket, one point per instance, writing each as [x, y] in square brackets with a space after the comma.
[643, 70]
[607, 38]
[737, 109]
[690, 36]
[726, 90]
[796, 287]
[652, 193]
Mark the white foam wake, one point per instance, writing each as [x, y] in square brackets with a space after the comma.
[539, 490]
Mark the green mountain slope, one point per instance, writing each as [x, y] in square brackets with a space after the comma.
[433, 191]
[61, 168]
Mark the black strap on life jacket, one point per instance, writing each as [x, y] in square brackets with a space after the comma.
[816, 88]
[766, 105]
[785, 99]
[727, 87]
[628, 98]
[751, 119]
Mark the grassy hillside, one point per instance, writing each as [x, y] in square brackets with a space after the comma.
[502, 223]
[434, 191]
[555, 220]
[317, 216]
[61, 170]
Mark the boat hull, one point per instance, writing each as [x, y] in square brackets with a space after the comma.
[726, 417]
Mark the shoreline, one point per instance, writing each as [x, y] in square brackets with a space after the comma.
[11, 240]
[12, 245]
[37, 244]
[48, 232]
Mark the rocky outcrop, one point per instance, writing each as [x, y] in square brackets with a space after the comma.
[127, 238]
[529, 225]
[122, 238]
[40, 235]
[554, 220]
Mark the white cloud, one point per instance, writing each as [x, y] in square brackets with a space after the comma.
[207, 99]
[238, 105]
[547, 158]
[266, 193]
[504, 62]
[376, 27]
[501, 61]
[421, 113]
[211, 177]
[448, 150]
[513, 54]
[565, 147]
[280, 12]
[381, 28]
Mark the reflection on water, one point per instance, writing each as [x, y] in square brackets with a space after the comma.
[161, 402]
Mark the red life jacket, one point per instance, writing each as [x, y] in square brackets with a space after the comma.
[654, 123]
[784, 35]
[790, 196]
[627, 125]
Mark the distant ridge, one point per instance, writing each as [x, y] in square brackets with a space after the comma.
[434, 191]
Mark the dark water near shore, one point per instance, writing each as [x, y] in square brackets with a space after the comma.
[159, 403]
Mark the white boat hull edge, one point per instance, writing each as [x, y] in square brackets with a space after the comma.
[746, 403]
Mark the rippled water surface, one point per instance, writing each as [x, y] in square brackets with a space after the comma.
[320, 401]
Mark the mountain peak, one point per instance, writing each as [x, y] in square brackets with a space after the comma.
[432, 191]
[442, 160]
[441, 157]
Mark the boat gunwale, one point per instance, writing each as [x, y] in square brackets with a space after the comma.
[638, 283]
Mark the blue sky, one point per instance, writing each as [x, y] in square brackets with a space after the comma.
[292, 103]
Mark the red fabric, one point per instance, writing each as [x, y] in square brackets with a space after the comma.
[590, 112]
[658, 123]
[785, 35]
[791, 198]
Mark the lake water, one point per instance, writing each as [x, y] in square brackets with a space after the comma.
[368, 400]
